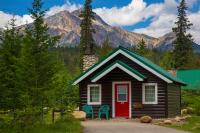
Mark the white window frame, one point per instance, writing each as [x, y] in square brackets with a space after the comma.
[156, 93]
[88, 94]
[125, 94]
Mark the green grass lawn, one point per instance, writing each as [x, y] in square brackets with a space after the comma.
[66, 125]
[192, 124]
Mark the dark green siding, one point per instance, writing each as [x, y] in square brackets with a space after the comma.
[154, 110]
[174, 100]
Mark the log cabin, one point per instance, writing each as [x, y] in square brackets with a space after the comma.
[130, 84]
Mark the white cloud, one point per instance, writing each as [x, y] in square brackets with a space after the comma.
[164, 21]
[67, 6]
[126, 15]
[195, 30]
[134, 12]
[160, 26]
[163, 16]
[21, 20]
[191, 3]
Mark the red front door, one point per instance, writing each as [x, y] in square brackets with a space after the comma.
[122, 100]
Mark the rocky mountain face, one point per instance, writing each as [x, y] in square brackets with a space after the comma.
[66, 25]
[166, 43]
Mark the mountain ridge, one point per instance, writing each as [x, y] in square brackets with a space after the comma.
[67, 25]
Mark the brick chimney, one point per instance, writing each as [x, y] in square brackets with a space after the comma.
[89, 60]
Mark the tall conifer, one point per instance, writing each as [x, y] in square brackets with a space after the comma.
[39, 62]
[182, 53]
[142, 48]
[87, 42]
[10, 48]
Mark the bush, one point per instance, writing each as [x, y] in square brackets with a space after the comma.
[191, 101]
[197, 108]
[65, 125]
[187, 99]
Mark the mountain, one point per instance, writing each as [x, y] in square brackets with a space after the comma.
[166, 42]
[67, 25]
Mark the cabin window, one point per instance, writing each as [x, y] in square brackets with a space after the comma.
[122, 93]
[150, 92]
[94, 94]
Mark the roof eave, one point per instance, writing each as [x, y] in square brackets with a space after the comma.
[126, 53]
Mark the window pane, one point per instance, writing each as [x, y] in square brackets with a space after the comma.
[150, 93]
[122, 89]
[122, 97]
[94, 94]
[121, 93]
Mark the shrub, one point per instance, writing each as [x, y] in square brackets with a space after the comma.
[197, 108]
[191, 101]
[65, 125]
[187, 99]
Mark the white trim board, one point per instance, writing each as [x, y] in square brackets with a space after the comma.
[143, 93]
[128, 56]
[117, 65]
[88, 94]
[113, 96]
[95, 68]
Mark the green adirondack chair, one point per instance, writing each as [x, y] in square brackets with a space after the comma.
[104, 110]
[88, 110]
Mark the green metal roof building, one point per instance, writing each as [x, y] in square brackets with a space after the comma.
[131, 85]
[191, 77]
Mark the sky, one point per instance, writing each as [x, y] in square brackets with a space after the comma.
[152, 17]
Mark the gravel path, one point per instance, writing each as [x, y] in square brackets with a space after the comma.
[124, 127]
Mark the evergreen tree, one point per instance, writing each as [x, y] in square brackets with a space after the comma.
[141, 48]
[105, 49]
[87, 43]
[39, 62]
[65, 95]
[167, 62]
[11, 96]
[183, 44]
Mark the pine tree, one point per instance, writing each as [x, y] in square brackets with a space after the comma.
[183, 44]
[87, 42]
[167, 62]
[105, 49]
[11, 96]
[142, 48]
[38, 60]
